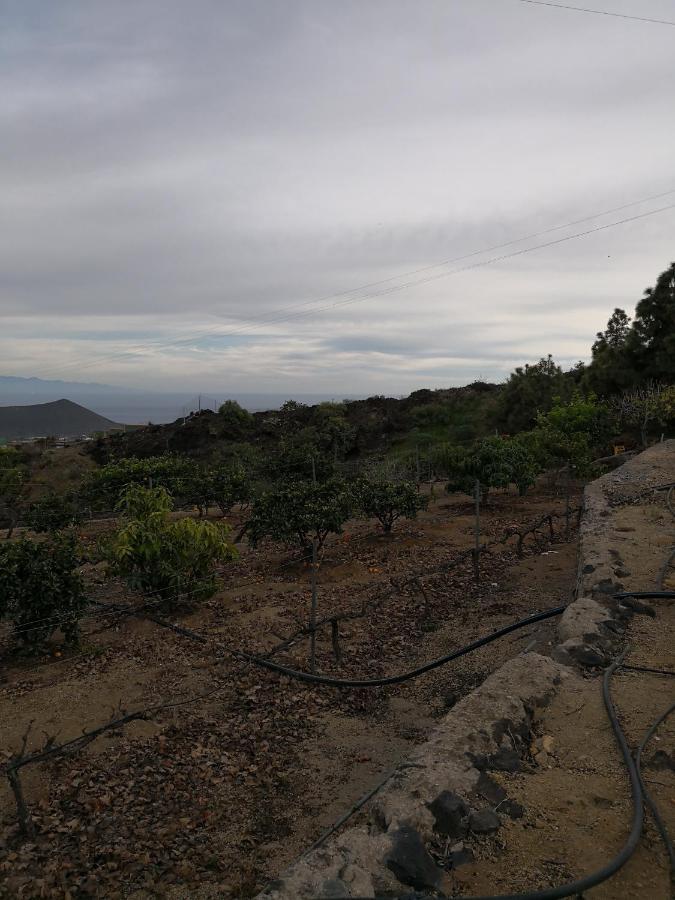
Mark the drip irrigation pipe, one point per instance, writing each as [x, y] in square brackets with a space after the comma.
[581, 885]
[626, 667]
[405, 676]
[434, 664]
[653, 808]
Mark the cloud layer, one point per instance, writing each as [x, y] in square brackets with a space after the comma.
[191, 191]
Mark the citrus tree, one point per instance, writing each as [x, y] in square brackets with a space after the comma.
[301, 512]
[494, 462]
[41, 589]
[230, 486]
[173, 559]
[522, 464]
[571, 432]
[104, 487]
[222, 486]
[53, 513]
[388, 501]
[14, 487]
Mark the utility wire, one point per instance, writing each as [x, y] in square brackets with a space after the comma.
[598, 12]
[285, 314]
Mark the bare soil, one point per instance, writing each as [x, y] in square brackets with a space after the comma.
[221, 795]
[576, 798]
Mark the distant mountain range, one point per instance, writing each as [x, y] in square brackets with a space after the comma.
[133, 405]
[61, 418]
[115, 403]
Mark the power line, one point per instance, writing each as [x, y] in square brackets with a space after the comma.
[287, 313]
[598, 12]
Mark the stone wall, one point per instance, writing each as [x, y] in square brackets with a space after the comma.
[446, 789]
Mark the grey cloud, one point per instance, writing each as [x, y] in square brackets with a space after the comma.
[206, 164]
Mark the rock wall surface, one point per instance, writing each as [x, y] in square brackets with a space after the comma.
[445, 790]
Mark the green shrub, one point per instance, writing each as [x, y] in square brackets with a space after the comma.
[105, 486]
[572, 432]
[156, 555]
[230, 486]
[301, 512]
[387, 501]
[430, 414]
[221, 486]
[53, 513]
[494, 462]
[14, 486]
[41, 590]
[234, 417]
[523, 465]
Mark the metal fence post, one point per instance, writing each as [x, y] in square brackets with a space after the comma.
[567, 502]
[312, 615]
[476, 549]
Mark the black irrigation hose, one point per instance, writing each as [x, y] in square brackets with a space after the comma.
[658, 820]
[405, 676]
[434, 664]
[588, 881]
[397, 679]
[626, 668]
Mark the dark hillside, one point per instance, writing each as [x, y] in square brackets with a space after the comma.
[376, 425]
[62, 418]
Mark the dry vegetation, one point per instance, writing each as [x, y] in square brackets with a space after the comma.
[227, 790]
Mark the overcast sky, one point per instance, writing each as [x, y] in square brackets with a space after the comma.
[175, 175]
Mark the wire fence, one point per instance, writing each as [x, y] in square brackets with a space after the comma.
[423, 464]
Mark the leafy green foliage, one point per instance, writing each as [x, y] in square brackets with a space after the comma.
[643, 406]
[609, 371]
[455, 416]
[571, 432]
[11, 458]
[387, 501]
[529, 391]
[666, 406]
[14, 487]
[523, 466]
[235, 419]
[158, 555]
[631, 355]
[230, 486]
[105, 486]
[651, 342]
[300, 454]
[221, 486]
[312, 440]
[432, 414]
[300, 512]
[494, 462]
[53, 513]
[335, 436]
[41, 589]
